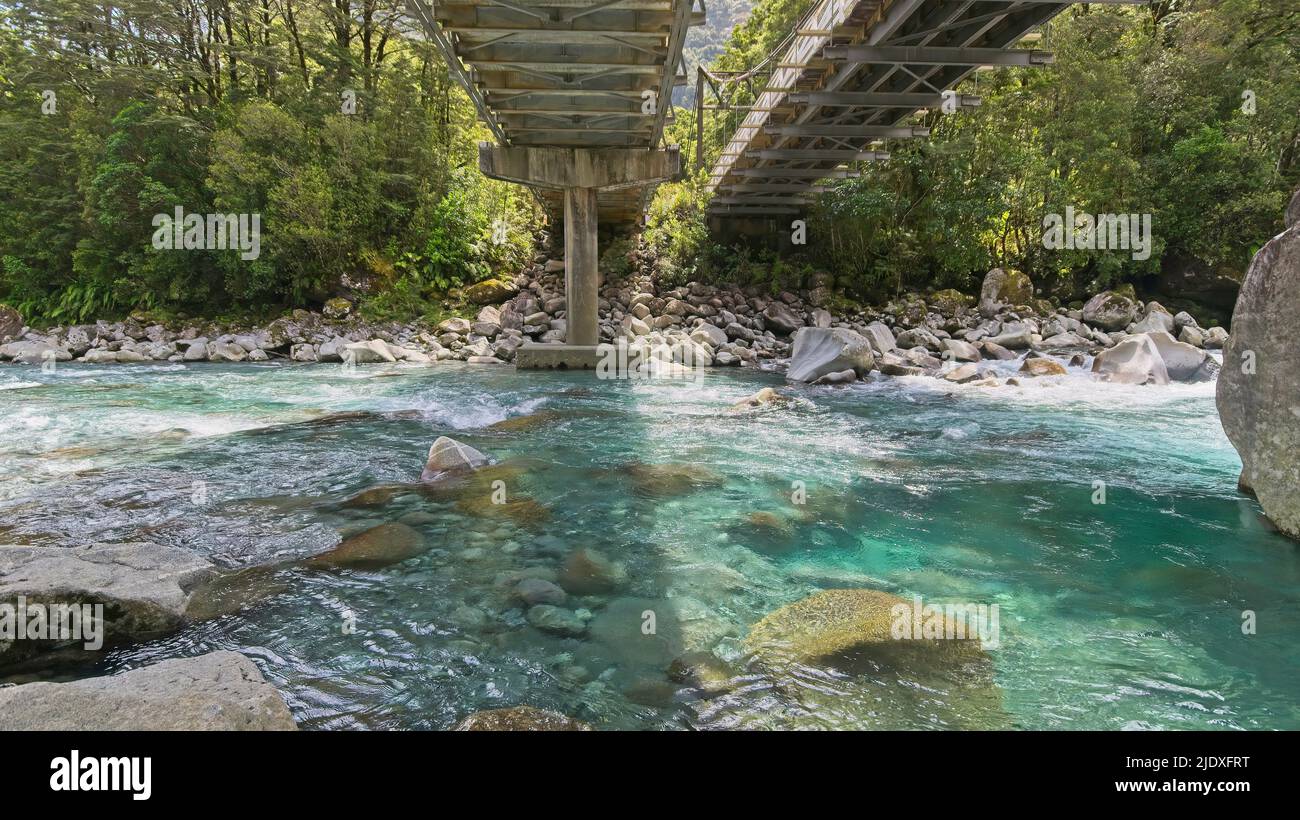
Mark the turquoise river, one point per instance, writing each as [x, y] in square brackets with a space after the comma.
[1126, 614]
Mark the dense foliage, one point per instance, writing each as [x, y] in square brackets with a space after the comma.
[1145, 111]
[348, 138]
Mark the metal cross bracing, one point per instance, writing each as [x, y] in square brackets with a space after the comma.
[849, 77]
[585, 74]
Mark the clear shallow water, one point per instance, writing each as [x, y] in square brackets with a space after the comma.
[1122, 615]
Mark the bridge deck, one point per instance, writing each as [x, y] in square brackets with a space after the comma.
[827, 106]
[566, 73]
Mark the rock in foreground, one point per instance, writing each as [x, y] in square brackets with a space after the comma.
[818, 351]
[1259, 387]
[220, 691]
[144, 587]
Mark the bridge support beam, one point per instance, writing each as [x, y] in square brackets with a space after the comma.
[581, 272]
[581, 173]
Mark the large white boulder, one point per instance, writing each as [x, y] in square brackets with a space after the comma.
[881, 337]
[1184, 362]
[448, 456]
[820, 350]
[1136, 360]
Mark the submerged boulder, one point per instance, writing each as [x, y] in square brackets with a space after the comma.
[1260, 382]
[818, 351]
[376, 547]
[219, 691]
[1135, 360]
[449, 457]
[763, 397]
[520, 719]
[836, 625]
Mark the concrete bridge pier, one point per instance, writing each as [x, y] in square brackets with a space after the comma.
[581, 174]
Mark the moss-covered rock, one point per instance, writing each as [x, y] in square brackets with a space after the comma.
[490, 291]
[520, 719]
[671, 479]
[337, 308]
[838, 625]
[1111, 309]
[949, 301]
[1004, 287]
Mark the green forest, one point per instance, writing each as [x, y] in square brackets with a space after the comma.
[351, 139]
[347, 135]
[1185, 109]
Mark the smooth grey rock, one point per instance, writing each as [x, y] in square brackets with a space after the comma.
[920, 337]
[1110, 311]
[371, 352]
[781, 319]
[963, 373]
[556, 620]
[533, 591]
[144, 587]
[1182, 361]
[818, 351]
[713, 336]
[1019, 339]
[219, 691]
[33, 352]
[1065, 339]
[1001, 288]
[1136, 360]
[226, 352]
[993, 350]
[448, 456]
[960, 351]
[842, 377]
[881, 337]
[1156, 318]
[1259, 388]
[100, 355]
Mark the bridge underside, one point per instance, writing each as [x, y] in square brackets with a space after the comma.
[567, 74]
[576, 94]
[849, 81]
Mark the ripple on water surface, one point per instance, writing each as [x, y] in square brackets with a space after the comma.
[627, 502]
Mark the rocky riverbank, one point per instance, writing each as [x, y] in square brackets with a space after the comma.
[696, 323]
